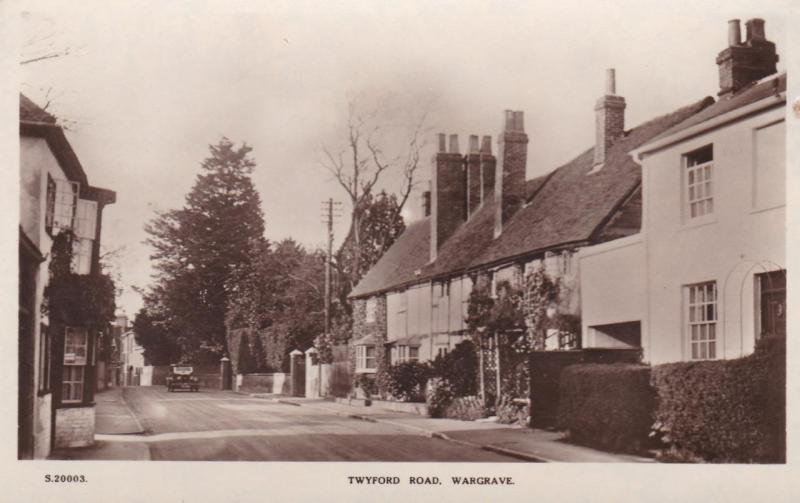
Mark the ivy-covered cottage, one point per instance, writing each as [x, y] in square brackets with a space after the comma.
[706, 276]
[485, 223]
[56, 358]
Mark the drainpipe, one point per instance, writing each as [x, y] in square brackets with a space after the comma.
[497, 365]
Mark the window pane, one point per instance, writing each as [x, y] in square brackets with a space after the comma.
[712, 349]
[695, 352]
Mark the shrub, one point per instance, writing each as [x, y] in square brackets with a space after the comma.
[607, 405]
[460, 368]
[439, 395]
[465, 408]
[366, 382]
[406, 381]
[513, 412]
[726, 410]
[246, 363]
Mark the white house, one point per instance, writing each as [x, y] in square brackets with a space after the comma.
[131, 358]
[705, 277]
[56, 363]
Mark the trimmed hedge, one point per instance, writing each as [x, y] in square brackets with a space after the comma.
[406, 381]
[726, 410]
[607, 405]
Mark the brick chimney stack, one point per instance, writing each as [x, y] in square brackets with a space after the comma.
[509, 182]
[448, 197]
[609, 118]
[488, 166]
[742, 63]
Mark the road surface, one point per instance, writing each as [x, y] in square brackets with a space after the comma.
[217, 425]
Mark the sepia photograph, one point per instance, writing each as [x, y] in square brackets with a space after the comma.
[454, 245]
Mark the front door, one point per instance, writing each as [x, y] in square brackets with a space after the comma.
[773, 303]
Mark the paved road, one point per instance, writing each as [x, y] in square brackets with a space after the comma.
[216, 425]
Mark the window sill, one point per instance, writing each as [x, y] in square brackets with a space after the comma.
[75, 405]
[366, 371]
[698, 222]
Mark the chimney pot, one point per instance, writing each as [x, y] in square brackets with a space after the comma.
[509, 121]
[611, 82]
[755, 30]
[519, 122]
[486, 145]
[745, 62]
[454, 144]
[473, 144]
[734, 33]
[442, 142]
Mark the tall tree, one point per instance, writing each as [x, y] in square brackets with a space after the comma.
[198, 247]
[280, 295]
[379, 226]
[367, 157]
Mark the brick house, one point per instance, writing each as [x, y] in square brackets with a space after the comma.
[485, 222]
[706, 276]
[56, 363]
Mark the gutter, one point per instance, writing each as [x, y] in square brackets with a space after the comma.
[713, 123]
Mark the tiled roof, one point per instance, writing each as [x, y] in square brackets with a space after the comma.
[31, 112]
[757, 91]
[397, 266]
[567, 206]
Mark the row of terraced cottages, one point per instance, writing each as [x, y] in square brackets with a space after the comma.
[669, 235]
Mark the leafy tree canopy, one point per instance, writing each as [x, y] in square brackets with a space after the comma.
[197, 248]
[280, 293]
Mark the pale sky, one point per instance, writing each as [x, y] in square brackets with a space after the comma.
[148, 85]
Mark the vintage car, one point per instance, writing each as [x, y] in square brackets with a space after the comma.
[182, 378]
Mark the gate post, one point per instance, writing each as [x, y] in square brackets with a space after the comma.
[297, 372]
[225, 373]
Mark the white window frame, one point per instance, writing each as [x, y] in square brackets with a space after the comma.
[75, 359]
[66, 204]
[82, 255]
[702, 315]
[70, 385]
[363, 359]
[698, 186]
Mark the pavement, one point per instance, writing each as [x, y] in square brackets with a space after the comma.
[120, 434]
[516, 441]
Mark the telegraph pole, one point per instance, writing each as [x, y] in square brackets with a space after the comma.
[330, 211]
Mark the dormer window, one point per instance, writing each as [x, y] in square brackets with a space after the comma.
[698, 182]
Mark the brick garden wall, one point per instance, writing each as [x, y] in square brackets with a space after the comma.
[74, 427]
